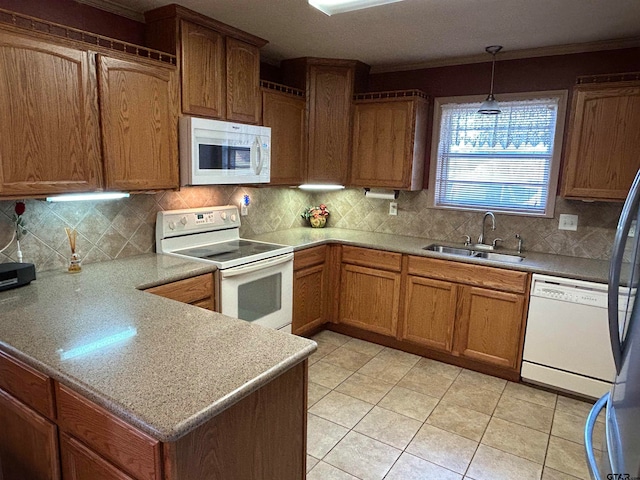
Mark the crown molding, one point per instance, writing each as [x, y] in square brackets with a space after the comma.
[514, 55]
[115, 7]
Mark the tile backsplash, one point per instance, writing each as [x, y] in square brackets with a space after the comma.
[116, 229]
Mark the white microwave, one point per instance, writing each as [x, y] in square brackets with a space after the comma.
[214, 152]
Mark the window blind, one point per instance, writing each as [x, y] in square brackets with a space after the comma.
[498, 162]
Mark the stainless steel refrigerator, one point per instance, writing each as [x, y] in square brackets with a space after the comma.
[619, 457]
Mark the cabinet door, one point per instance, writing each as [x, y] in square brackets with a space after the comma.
[203, 71]
[49, 117]
[243, 82]
[28, 442]
[382, 145]
[308, 298]
[330, 93]
[139, 125]
[604, 141]
[430, 312]
[370, 299]
[490, 327]
[285, 114]
[81, 463]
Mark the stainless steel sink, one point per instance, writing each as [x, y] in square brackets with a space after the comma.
[450, 250]
[464, 252]
[499, 257]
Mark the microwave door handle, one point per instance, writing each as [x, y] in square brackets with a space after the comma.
[253, 267]
[259, 161]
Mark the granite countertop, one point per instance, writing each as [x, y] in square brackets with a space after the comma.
[559, 265]
[182, 364]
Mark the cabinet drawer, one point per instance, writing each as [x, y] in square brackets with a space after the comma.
[309, 257]
[367, 257]
[79, 462]
[133, 451]
[477, 275]
[26, 384]
[189, 290]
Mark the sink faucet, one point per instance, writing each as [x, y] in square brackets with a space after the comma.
[484, 220]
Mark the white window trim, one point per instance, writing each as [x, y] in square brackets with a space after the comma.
[555, 159]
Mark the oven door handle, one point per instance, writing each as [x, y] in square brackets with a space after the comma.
[255, 266]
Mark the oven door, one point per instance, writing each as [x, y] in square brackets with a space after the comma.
[259, 292]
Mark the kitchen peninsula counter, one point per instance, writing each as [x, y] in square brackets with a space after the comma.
[181, 366]
[559, 265]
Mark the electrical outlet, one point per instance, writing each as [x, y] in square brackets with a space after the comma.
[244, 210]
[568, 222]
[632, 229]
[393, 208]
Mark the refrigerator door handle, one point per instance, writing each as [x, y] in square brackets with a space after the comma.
[588, 436]
[628, 214]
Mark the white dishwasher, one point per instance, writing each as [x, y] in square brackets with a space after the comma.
[566, 345]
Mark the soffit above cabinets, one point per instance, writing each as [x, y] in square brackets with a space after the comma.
[420, 33]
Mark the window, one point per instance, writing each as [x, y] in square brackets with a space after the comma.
[505, 163]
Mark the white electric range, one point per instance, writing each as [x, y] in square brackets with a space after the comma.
[256, 278]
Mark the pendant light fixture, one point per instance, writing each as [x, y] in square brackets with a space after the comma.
[490, 105]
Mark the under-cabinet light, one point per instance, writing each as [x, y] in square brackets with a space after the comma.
[88, 196]
[320, 187]
[331, 7]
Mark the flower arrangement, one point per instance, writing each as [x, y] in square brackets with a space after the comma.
[316, 216]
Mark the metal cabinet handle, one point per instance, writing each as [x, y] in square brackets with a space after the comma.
[588, 436]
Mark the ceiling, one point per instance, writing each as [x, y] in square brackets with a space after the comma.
[414, 33]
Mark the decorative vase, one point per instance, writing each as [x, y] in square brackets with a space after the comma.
[318, 222]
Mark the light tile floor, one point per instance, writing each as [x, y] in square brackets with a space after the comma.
[378, 413]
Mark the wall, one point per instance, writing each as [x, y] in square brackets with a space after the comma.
[122, 228]
[80, 16]
[126, 227]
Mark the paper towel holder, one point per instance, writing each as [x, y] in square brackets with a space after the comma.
[383, 196]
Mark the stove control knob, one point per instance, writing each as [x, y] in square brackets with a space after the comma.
[233, 217]
[223, 215]
[183, 220]
[172, 225]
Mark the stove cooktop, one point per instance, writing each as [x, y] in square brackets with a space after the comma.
[231, 250]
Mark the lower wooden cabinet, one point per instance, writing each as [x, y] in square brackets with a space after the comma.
[81, 463]
[28, 442]
[491, 326]
[370, 289]
[196, 291]
[430, 313]
[309, 289]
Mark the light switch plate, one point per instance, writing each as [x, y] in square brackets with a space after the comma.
[393, 208]
[568, 222]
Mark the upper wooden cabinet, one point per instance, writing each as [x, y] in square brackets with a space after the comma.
[389, 140]
[285, 112]
[329, 85]
[604, 140]
[203, 71]
[49, 116]
[220, 65]
[138, 109]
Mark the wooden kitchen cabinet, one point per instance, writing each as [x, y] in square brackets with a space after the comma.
[604, 140]
[196, 291]
[309, 289]
[80, 463]
[430, 313]
[370, 289]
[389, 140]
[284, 110]
[139, 118]
[470, 311]
[49, 116]
[490, 327]
[28, 437]
[220, 65]
[330, 85]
